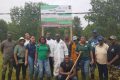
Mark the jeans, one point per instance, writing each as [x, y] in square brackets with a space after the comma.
[60, 77]
[44, 67]
[18, 69]
[31, 67]
[103, 71]
[85, 69]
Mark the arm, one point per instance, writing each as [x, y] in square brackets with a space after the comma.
[48, 50]
[65, 49]
[2, 47]
[15, 54]
[36, 57]
[91, 55]
[62, 72]
[26, 56]
[114, 59]
[15, 57]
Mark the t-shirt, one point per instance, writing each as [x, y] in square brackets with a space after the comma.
[112, 52]
[66, 66]
[43, 51]
[101, 53]
[93, 42]
[31, 49]
[20, 52]
[8, 48]
[26, 42]
[85, 51]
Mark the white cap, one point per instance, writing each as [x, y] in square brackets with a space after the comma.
[74, 38]
[113, 37]
[21, 38]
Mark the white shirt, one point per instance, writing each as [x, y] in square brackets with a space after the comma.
[26, 42]
[51, 44]
[60, 50]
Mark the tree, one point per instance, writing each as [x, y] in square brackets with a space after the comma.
[106, 16]
[3, 30]
[25, 19]
[76, 26]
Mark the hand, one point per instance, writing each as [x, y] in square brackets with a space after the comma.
[92, 62]
[26, 63]
[68, 73]
[16, 62]
[109, 63]
[35, 62]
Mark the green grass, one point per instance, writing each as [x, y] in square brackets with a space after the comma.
[14, 78]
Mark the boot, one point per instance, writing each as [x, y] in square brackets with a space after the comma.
[3, 77]
[9, 76]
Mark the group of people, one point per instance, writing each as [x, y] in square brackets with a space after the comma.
[56, 58]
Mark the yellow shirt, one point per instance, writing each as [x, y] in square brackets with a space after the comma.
[101, 53]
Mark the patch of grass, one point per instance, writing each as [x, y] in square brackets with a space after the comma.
[14, 77]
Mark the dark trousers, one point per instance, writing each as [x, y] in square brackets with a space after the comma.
[51, 64]
[18, 69]
[103, 71]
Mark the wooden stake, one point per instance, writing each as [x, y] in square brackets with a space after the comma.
[73, 67]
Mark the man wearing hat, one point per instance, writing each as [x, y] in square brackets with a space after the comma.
[93, 41]
[113, 57]
[19, 56]
[72, 48]
[101, 58]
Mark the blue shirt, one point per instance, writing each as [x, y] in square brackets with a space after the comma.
[31, 50]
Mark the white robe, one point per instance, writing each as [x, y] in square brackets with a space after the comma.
[60, 51]
[51, 43]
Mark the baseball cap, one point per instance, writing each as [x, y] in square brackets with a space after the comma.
[112, 37]
[94, 31]
[74, 38]
[100, 38]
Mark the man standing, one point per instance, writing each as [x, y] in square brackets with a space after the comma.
[114, 58]
[93, 41]
[101, 59]
[59, 52]
[7, 48]
[50, 42]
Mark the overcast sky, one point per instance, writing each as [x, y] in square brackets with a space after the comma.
[77, 6]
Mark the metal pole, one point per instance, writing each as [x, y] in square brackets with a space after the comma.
[71, 32]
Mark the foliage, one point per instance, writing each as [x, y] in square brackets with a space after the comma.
[88, 30]
[76, 26]
[106, 16]
[3, 30]
[25, 19]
